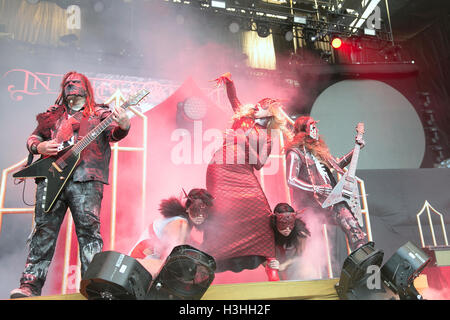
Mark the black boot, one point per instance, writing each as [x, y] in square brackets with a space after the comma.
[30, 286]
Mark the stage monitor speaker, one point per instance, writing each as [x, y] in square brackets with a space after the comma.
[402, 268]
[393, 281]
[186, 275]
[354, 271]
[115, 276]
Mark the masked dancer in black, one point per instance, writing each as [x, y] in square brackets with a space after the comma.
[290, 234]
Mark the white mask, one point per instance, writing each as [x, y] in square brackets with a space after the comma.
[312, 130]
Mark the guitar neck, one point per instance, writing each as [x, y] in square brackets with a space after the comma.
[354, 162]
[94, 133]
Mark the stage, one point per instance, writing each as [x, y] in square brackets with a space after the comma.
[343, 63]
[279, 290]
[282, 290]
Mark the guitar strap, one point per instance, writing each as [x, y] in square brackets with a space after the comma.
[84, 126]
[335, 166]
[30, 159]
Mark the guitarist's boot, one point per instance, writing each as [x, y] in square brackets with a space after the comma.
[29, 287]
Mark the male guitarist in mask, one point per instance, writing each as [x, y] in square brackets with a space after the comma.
[308, 165]
[74, 114]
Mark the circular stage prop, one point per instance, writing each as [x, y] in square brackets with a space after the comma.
[394, 134]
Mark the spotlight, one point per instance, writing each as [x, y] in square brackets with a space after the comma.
[194, 108]
[336, 43]
[445, 164]
[190, 110]
[218, 4]
[309, 35]
[362, 278]
[234, 27]
[300, 19]
[370, 32]
[289, 35]
[354, 276]
[262, 29]
[401, 270]
[186, 275]
[115, 276]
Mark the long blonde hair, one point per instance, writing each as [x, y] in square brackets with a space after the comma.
[274, 106]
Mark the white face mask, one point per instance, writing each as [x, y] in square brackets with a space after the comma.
[312, 131]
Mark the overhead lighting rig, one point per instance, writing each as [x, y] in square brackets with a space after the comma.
[325, 18]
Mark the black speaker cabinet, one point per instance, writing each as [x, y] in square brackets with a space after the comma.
[115, 276]
[186, 275]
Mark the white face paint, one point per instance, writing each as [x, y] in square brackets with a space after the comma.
[313, 132]
[262, 113]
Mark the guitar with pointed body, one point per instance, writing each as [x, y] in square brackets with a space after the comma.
[59, 168]
[347, 188]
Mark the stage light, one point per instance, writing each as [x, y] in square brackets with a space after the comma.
[369, 32]
[288, 32]
[218, 4]
[336, 43]
[310, 35]
[234, 27]
[186, 275]
[401, 270]
[194, 108]
[115, 276]
[289, 35]
[262, 29]
[362, 279]
[354, 271]
[444, 164]
[300, 19]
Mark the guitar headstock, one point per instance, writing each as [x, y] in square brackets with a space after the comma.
[360, 128]
[137, 97]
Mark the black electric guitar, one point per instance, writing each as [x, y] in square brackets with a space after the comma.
[347, 188]
[58, 169]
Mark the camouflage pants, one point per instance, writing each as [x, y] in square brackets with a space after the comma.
[348, 223]
[84, 201]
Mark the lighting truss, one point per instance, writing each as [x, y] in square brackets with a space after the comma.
[326, 17]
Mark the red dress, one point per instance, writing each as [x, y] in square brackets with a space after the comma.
[238, 234]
